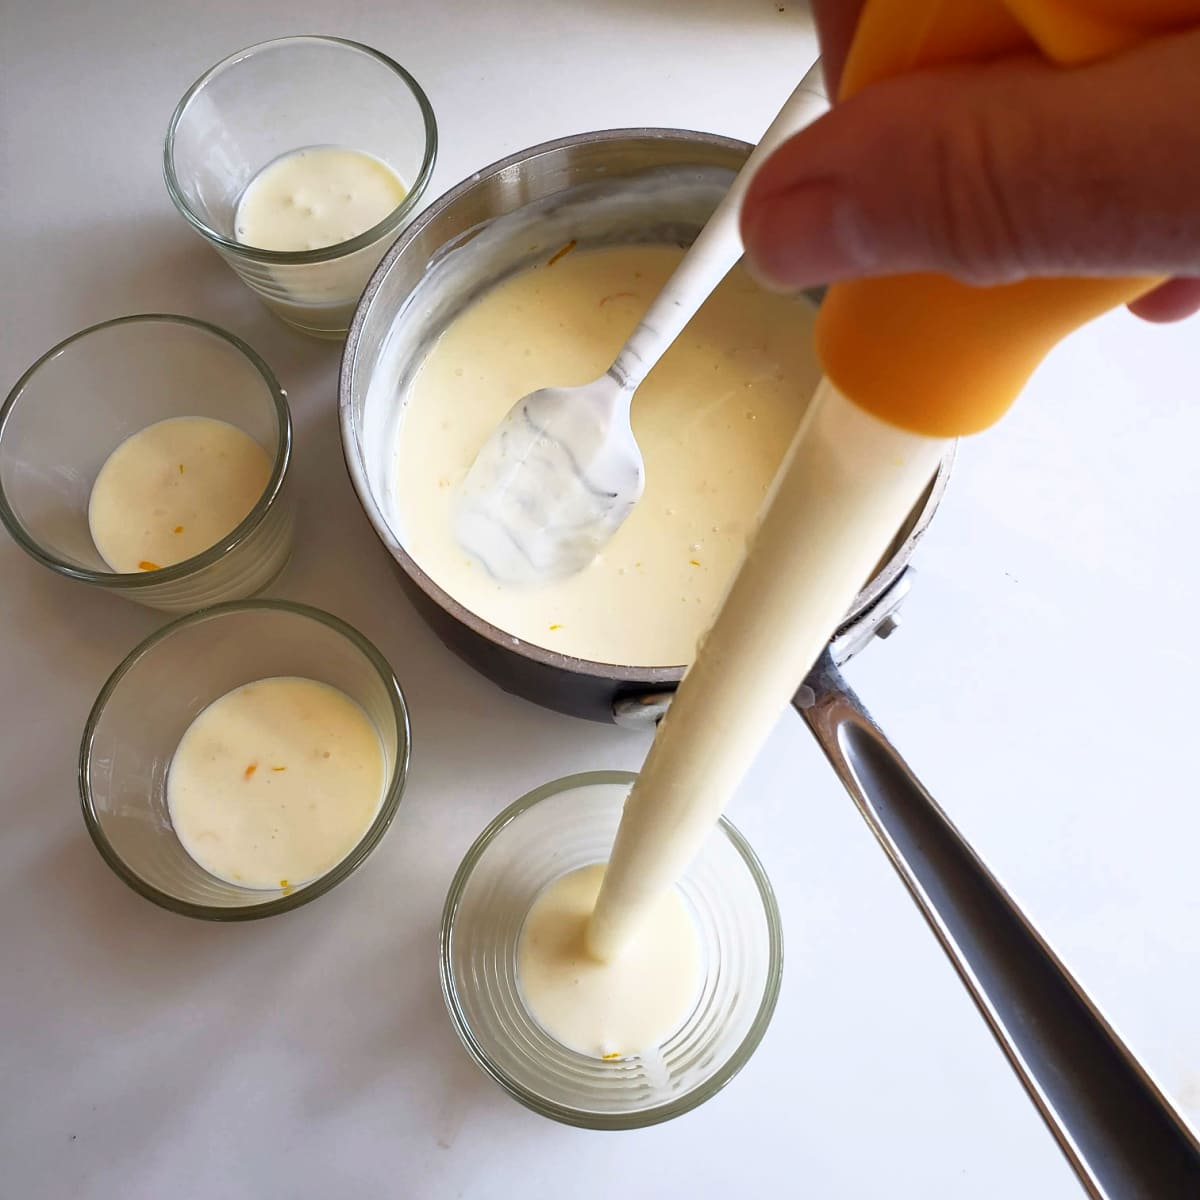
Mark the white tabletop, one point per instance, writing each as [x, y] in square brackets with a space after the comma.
[1042, 684]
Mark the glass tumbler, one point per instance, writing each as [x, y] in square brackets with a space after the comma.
[285, 95]
[155, 694]
[79, 401]
[559, 827]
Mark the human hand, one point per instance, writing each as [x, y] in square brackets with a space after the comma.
[992, 173]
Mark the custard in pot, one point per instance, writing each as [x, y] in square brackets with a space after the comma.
[713, 420]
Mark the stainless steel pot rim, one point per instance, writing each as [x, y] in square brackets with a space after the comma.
[633, 676]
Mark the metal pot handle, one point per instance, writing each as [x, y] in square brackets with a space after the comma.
[1117, 1129]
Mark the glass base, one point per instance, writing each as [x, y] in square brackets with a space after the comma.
[327, 325]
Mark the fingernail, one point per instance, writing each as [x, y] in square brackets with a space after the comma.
[800, 238]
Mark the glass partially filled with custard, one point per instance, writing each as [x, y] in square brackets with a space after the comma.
[148, 456]
[299, 160]
[244, 759]
[620, 1044]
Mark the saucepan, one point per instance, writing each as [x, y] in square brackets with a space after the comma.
[645, 185]
[658, 186]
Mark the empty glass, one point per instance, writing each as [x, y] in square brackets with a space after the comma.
[79, 401]
[559, 827]
[267, 101]
[156, 693]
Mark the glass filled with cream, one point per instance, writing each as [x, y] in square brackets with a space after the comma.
[148, 456]
[244, 759]
[299, 160]
[636, 1040]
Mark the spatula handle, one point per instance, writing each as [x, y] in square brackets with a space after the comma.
[718, 247]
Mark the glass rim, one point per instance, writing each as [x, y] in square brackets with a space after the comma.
[565, 1114]
[397, 777]
[207, 556]
[323, 253]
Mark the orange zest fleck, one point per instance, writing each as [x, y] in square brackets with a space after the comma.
[178, 528]
[610, 1057]
[147, 565]
[560, 253]
[554, 627]
[283, 883]
[618, 296]
[694, 561]
[250, 770]
[279, 768]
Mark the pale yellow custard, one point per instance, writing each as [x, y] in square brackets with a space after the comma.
[713, 421]
[172, 490]
[315, 197]
[275, 782]
[607, 1009]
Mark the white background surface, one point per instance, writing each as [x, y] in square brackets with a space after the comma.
[1042, 684]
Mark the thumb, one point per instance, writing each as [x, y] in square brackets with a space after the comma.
[990, 174]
